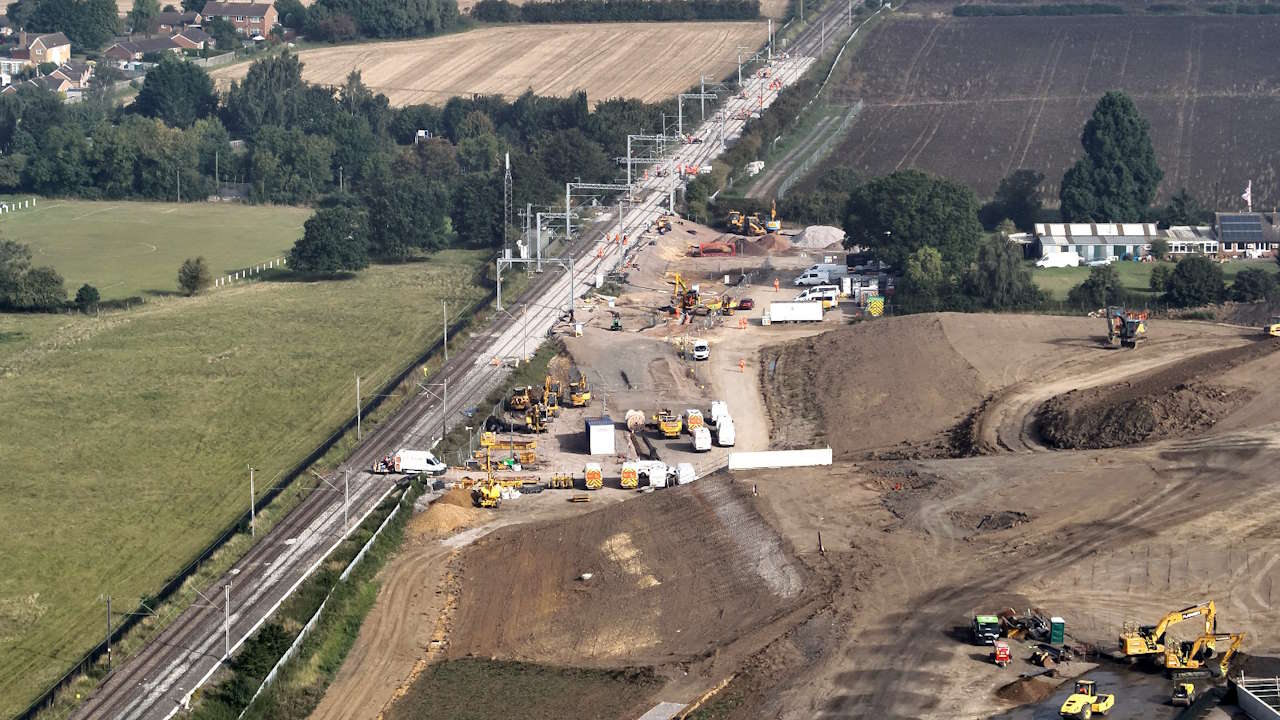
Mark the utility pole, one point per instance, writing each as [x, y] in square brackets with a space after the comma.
[108, 633]
[801, 10]
[253, 514]
[226, 622]
[340, 179]
[358, 435]
[445, 304]
[346, 499]
[771, 39]
[702, 102]
[444, 407]
[178, 174]
[506, 199]
[850, 13]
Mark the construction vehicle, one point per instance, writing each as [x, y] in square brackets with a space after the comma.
[735, 221]
[523, 457]
[669, 424]
[1148, 640]
[562, 481]
[487, 494]
[594, 476]
[1127, 327]
[711, 247]
[551, 396]
[630, 479]
[1000, 653]
[663, 225]
[773, 224]
[1197, 654]
[753, 227]
[579, 392]
[1084, 701]
[984, 630]
[1272, 328]
[538, 418]
[693, 420]
[616, 325]
[520, 398]
[1184, 693]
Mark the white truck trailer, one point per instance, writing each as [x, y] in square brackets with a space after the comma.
[793, 312]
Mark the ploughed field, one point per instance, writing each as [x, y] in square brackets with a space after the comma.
[647, 61]
[976, 98]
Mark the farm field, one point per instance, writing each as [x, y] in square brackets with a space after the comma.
[127, 435]
[135, 248]
[1134, 276]
[776, 9]
[648, 61]
[976, 98]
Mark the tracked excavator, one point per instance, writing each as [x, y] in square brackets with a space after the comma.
[1127, 327]
[1138, 641]
[579, 391]
[773, 224]
[1185, 658]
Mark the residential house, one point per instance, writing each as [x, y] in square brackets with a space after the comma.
[193, 39]
[1249, 234]
[34, 50]
[48, 82]
[1096, 241]
[75, 72]
[170, 22]
[126, 51]
[1187, 240]
[249, 18]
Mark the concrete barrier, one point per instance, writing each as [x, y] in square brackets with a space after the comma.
[779, 459]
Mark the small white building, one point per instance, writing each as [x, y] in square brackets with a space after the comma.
[1096, 241]
[600, 436]
[1188, 240]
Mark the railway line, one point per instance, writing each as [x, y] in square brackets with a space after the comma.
[159, 681]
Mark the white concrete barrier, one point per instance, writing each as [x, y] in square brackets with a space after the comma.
[779, 459]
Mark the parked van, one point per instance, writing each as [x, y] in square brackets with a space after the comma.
[724, 432]
[653, 472]
[684, 474]
[1070, 258]
[822, 275]
[701, 439]
[828, 295]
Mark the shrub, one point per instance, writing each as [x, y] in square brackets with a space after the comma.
[87, 297]
[194, 275]
[1253, 284]
[1196, 280]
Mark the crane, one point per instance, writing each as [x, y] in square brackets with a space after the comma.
[1148, 640]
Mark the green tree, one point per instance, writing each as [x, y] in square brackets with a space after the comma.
[1253, 284]
[1118, 175]
[177, 92]
[899, 213]
[194, 275]
[269, 95]
[88, 24]
[922, 284]
[1184, 209]
[224, 34]
[40, 288]
[1100, 289]
[87, 297]
[999, 280]
[292, 13]
[1196, 280]
[1159, 281]
[1017, 199]
[407, 213]
[333, 240]
[143, 16]
[15, 261]
[1160, 248]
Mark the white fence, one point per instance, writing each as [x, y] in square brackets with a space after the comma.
[779, 459]
[306, 629]
[16, 205]
[249, 273]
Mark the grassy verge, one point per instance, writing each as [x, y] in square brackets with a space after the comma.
[134, 248]
[478, 689]
[259, 374]
[1134, 276]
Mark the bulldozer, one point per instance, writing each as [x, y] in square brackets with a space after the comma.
[1272, 328]
[753, 227]
[519, 399]
[773, 224]
[1084, 701]
[1128, 327]
[551, 396]
[1184, 658]
[579, 392]
[1137, 641]
[735, 221]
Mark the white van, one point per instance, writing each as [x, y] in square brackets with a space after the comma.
[654, 472]
[719, 410]
[1069, 258]
[683, 474]
[724, 432]
[822, 276]
[701, 439]
[818, 292]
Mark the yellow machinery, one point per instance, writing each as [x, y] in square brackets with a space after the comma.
[753, 227]
[524, 457]
[1128, 327]
[538, 418]
[773, 224]
[579, 392]
[1198, 654]
[486, 493]
[735, 221]
[663, 224]
[560, 481]
[1084, 701]
[1184, 694]
[669, 424]
[491, 440]
[519, 399]
[551, 396]
[693, 420]
[1273, 326]
[594, 476]
[1148, 640]
[630, 476]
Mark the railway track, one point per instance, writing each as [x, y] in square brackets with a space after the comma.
[158, 682]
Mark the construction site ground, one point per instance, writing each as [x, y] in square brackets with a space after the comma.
[846, 591]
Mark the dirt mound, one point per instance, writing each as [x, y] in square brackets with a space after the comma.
[451, 512]
[674, 575]
[1163, 403]
[771, 244]
[1026, 690]
[871, 385]
[816, 237]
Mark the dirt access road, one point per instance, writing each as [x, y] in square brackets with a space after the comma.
[917, 546]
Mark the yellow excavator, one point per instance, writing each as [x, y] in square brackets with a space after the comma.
[683, 297]
[735, 221]
[773, 224]
[1272, 328]
[487, 493]
[579, 392]
[1179, 658]
[551, 396]
[753, 227]
[1138, 641]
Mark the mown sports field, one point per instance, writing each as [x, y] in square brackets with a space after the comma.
[135, 248]
[127, 435]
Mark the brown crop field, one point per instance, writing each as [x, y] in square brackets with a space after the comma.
[649, 61]
[976, 98]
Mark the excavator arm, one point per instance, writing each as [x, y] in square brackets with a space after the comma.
[1149, 639]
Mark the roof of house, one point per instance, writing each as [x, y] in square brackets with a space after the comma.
[73, 68]
[250, 9]
[49, 40]
[1246, 227]
[1075, 230]
[49, 82]
[196, 35]
[172, 18]
[158, 44]
[20, 54]
[1188, 233]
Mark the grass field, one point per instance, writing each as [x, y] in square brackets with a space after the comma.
[649, 61]
[975, 98]
[127, 436]
[1134, 276]
[135, 248]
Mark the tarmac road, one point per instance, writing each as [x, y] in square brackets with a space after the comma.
[158, 682]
